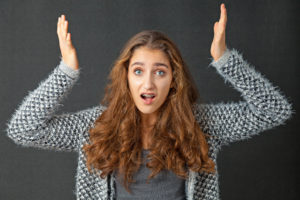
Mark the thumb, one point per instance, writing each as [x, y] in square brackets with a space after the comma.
[69, 37]
[216, 26]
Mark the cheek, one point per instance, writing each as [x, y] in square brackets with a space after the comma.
[129, 83]
[165, 87]
[133, 85]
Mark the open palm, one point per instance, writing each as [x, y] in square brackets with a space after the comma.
[67, 49]
[218, 45]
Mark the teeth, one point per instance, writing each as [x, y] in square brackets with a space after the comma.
[148, 95]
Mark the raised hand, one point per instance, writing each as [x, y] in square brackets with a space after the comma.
[68, 52]
[218, 45]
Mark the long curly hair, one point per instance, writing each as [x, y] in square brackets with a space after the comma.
[177, 141]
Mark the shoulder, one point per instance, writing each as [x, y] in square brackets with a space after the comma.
[94, 112]
[90, 115]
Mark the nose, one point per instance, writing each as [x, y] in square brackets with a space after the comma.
[148, 82]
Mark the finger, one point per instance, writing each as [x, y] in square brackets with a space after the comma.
[215, 26]
[58, 25]
[223, 16]
[62, 22]
[66, 27]
[63, 30]
[69, 37]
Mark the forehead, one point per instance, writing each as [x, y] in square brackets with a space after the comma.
[144, 54]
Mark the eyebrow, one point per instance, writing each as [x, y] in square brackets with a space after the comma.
[155, 64]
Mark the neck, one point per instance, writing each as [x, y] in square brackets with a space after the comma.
[148, 120]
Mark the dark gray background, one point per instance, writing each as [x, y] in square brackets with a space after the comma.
[266, 32]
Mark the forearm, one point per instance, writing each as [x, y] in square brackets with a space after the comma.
[263, 97]
[40, 104]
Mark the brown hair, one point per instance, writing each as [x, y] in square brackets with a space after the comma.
[176, 139]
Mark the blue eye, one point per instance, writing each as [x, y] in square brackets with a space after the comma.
[137, 70]
[161, 73]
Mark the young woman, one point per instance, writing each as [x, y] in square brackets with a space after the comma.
[148, 138]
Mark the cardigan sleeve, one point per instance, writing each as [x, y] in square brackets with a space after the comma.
[34, 123]
[263, 106]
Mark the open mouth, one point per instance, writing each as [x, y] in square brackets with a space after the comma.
[148, 98]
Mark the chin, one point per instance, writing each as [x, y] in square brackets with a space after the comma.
[147, 110]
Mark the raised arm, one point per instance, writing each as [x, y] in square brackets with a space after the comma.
[67, 49]
[264, 105]
[35, 124]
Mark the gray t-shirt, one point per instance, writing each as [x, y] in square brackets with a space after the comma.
[166, 185]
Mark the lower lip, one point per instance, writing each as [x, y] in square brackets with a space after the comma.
[148, 101]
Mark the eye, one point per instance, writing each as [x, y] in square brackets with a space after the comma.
[160, 72]
[137, 70]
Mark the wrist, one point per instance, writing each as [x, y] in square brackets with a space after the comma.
[68, 70]
[71, 62]
[222, 59]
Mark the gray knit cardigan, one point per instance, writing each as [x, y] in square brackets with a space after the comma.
[35, 123]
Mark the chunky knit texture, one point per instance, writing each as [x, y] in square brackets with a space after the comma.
[35, 124]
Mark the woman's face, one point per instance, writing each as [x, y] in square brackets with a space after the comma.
[149, 72]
